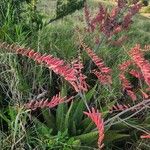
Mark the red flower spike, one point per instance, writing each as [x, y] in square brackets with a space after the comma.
[100, 16]
[136, 74]
[98, 61]
[55, 64]
[96, 117]
[131, 94]
[135, 8]
[103, 78]
[126, 85]
[119, 107]
[125, 65]
[127, 20]
[138, 58]
[56, 100]
[104, 75]
[107, 21]
[77, 64]
[145, 136]
[88, 18]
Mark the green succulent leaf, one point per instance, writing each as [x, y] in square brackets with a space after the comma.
[88, 137]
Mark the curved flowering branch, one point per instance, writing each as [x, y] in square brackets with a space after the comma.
[56, 100]
[119, 107]
[126, 85]
[142, 71]
[87, 17]
[103, 78]
[136, 74]
[144, 65]
[104, 75]
[55, 64]
[77, 64]
[96, 117]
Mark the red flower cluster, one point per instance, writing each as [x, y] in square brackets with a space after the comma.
[143, 71]
[136, 74]
[56, 100]
[96, 117]
[121, 3]
[128, 17]
[126, 85]
[55, 64]
[104, 75]
[135, 8]
[144, 65]
[77, 64]
[111, 22]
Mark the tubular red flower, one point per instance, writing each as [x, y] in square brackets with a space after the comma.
[119, 107]
[136, 74]
[145, 136]
[88, 18]
[107, 21]
[104, 75]
[116, 30]
[56, 100]
[103, 78]
[98, 61]
[131, 94]
[138, 58]
[126, 85]
[55, 64]
[77, 64]
[135, 8]
[100, 16]
[127, 20]
[96, 117]
[125, 65]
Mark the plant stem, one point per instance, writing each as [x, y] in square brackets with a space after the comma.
[144, 102]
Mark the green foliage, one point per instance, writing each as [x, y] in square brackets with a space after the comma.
[66, 7]
[20, 18]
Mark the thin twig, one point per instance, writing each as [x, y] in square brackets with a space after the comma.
[144, 102]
